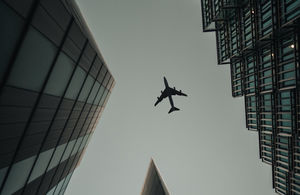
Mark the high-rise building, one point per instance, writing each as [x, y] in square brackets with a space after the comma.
[154, 184]
[54, 85]
[260, 41]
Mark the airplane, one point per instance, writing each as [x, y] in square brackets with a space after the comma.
[168, 92]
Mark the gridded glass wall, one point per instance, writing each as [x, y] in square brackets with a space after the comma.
[209, 15]
[235, 34]
[261, 41]
[284, 113]
[266, 69]
[236, 67]
[248, 27]
[282, 164]
[266, 126]
[222, 42]
[251, 112]
[295, 179]
[54, 85]
[287, 62]
[290, 10]
[266, 18]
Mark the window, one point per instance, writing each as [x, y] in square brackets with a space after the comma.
[103, 97]
[290, 9]
[86, 88]
[45, 24]
[41, 164]
[58, 12]
[60, 75]
[56, 157]
[11, 26]
[33, 62]
[76, 83]
[102, 74]
[18, 175]
[66, 182]
[75, 150]
[83, 144]
[106, 99]
[68, 150]
[93, 93]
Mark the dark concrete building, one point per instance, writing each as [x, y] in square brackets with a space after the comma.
[154, 184]
[54, 85]
[259, 39]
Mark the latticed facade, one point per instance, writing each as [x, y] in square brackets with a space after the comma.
[259, 39]
[54, 85]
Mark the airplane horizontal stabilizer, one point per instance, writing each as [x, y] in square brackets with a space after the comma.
[173, 109]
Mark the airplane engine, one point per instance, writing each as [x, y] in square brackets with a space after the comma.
[161, 91]
[180, 91]
[158, 98]
[174, 88]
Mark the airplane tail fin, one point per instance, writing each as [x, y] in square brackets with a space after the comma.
[173, 109]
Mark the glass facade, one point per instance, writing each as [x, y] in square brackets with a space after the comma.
[54, 85]
[260, 40]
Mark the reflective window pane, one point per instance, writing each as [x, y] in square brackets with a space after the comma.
[86, 88]
[68, 150]
[17, 176]
[76, 83]
[93, 93]
[62, 191]
[56, 157]
[60, 75]
[99, 95]
[41, 164]
[33, 62]
[79, 140]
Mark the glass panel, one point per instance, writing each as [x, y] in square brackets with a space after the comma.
[103, 97]
[77, 145]
[11, 26]
[68, 150]
[2, 174]
[93, 93]
[99, 95]
[86, 88]
[33, 62]
[59, 186]
[83, 142]
[41, 164]
[18, 175]
[76, 83]
[60, 75]
[56, 157]
[62, 191]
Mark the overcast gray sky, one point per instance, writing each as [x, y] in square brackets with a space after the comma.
[204, 149]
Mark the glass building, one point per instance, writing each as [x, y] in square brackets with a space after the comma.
[259, 39]
[154, 184]
[54, 85]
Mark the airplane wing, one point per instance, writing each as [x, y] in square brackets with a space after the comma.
[159, 99]
[175, 92]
